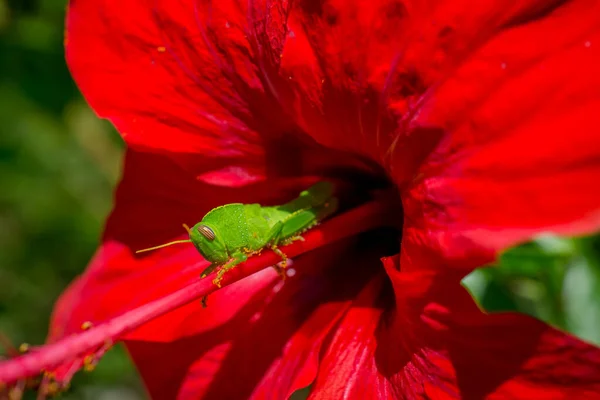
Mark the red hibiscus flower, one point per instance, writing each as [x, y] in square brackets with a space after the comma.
[480, 117]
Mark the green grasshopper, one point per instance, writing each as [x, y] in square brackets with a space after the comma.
[228, 234]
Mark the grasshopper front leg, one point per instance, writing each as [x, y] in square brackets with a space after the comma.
[237, 258]
[208, 270]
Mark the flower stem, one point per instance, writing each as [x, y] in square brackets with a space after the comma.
[360, 219]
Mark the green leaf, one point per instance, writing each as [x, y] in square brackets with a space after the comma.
[555, 279]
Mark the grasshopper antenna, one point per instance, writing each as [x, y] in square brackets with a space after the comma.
[160, 246]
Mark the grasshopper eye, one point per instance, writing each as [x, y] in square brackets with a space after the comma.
[206, 232]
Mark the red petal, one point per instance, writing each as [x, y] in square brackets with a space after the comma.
[393, 81]
[347, 369]
[467, 352]
[270, 345]
[438, 344]
[151, 69]
[519, 149]
[189, 81]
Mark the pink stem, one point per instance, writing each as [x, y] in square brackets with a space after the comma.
[364, 218]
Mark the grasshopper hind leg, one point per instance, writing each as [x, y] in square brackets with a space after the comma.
[280, 253]
[318, 194]
[280, 267]
[301, 221]
[292, 228]
[292, 239]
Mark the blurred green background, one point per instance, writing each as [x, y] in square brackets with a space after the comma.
[59, 165]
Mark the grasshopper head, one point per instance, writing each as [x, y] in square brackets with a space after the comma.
[209, 243]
